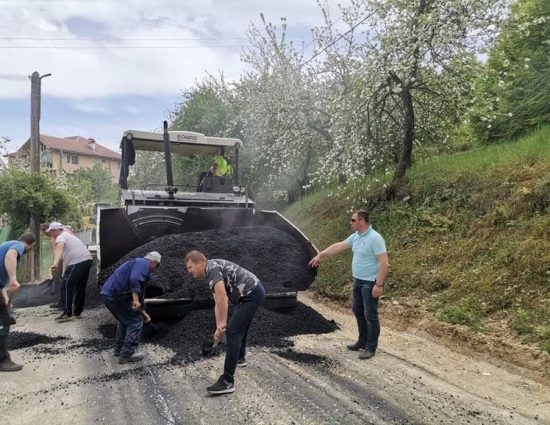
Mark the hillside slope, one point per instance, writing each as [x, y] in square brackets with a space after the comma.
[468, 238]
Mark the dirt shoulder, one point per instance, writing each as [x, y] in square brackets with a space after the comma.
[502, 351]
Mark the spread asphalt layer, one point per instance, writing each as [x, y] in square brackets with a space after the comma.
[305, 378]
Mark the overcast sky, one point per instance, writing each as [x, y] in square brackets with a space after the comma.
[121, 64]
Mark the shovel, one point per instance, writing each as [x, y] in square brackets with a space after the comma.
[150, 323]
[209, 347]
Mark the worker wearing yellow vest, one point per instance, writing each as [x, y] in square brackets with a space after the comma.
[221, 167]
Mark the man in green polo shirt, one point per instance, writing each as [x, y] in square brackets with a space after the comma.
[369, 268]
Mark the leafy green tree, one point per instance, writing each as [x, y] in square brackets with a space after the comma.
[148, 170]
[412, 62]
[91, 185]
[385, 77]
[203, 110]
[3, 149]
[513, 95]
[282, 105]
[23, 195]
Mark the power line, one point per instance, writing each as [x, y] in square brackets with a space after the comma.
[115, 39]
[119, 39]
[122, 47]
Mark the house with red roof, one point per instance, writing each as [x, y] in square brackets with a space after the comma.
[68, 154]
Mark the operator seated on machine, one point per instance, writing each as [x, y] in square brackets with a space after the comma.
[221, 167]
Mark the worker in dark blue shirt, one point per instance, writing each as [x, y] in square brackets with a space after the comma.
[11, 253]
[123, 294]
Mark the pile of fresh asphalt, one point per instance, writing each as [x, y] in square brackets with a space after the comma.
[270, 329]
[49, 292]
[273, 255]
[30, 295]
[277, 258]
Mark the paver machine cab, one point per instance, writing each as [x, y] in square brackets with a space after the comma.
[154, 212]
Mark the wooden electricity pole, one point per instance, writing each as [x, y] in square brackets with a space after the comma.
[33, 270]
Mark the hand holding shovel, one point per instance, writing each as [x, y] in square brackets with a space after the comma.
[208, 347]
[147, 318]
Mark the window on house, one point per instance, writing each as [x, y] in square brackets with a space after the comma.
[46, 160]
[72, 159]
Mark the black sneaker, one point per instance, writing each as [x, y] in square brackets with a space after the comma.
[63, 318]
[367, 354]
[134, 357]
[356, 347]
[242, 362]
[221, 387]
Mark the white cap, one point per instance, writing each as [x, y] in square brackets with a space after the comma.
[54, 226]
[153, 256]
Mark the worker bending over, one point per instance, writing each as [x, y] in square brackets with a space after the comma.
[11, 253]
[123, 293]
[233, 284]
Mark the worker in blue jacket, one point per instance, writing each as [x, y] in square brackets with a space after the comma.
[123, 294]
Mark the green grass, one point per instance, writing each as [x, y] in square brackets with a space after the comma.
[459, 315]
[523, 322]
[469, 233]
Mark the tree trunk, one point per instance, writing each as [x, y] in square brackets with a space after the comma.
[298, 191]
[405, 159]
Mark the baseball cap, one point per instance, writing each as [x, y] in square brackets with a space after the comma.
[54, 226]
[153, 256]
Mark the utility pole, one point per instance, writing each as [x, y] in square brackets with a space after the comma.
[33, 269]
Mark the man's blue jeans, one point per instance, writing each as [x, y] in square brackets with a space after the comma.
[237, 330]
[130, 324]
[365, 308]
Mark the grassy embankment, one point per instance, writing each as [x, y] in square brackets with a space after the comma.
[468, 237]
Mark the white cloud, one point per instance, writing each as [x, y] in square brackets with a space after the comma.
[91, 107]
[182, 33]
[100, 92]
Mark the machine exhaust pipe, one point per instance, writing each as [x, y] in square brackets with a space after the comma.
[168, 160]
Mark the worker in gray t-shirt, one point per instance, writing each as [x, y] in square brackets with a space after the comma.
[77, 261]
[233, 284]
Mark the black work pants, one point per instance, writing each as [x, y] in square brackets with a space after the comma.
[5, 322]
[237, 330]
[75, 280]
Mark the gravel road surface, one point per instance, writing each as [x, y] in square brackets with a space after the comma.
[71, 377]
